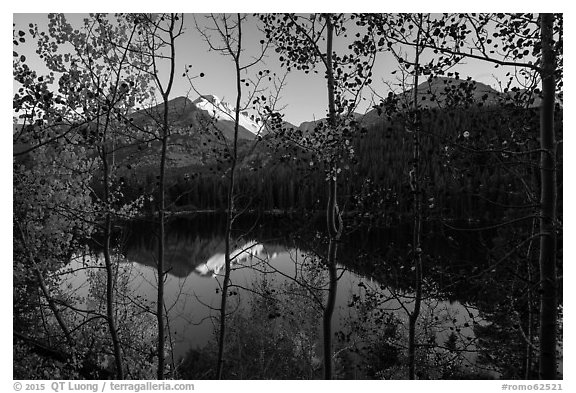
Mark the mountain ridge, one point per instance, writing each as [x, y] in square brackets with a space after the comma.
[205, 113]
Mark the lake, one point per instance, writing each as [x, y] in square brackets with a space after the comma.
[272, 258]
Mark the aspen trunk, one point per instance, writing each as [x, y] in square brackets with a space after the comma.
[417, 211]
[334, 221]
[230, 208]
[548, 195]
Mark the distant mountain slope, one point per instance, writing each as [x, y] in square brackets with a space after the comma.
[437, 92]
[198, 133]
[198, 115]
[193, 141]
[224, 112]
[440, 93]
[308, 126]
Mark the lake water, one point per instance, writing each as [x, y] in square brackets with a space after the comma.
[268, 252]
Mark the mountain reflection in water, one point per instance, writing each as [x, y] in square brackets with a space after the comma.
[216, 262]
[195, 257]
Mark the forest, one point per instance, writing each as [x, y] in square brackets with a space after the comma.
[412, 232]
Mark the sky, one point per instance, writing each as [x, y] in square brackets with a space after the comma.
[304, 96]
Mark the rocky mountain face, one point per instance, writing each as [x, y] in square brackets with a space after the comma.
[199, 130]
[224, 112]
[207, 114]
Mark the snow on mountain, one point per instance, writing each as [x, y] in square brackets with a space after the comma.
[222, 111]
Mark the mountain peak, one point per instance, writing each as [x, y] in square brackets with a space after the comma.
[436, 82]
[208, 97]
[436, 91]
[223, 111]
[180, 101]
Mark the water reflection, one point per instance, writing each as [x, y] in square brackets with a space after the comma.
[192, 301]
[216, 262]
[371, 311]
